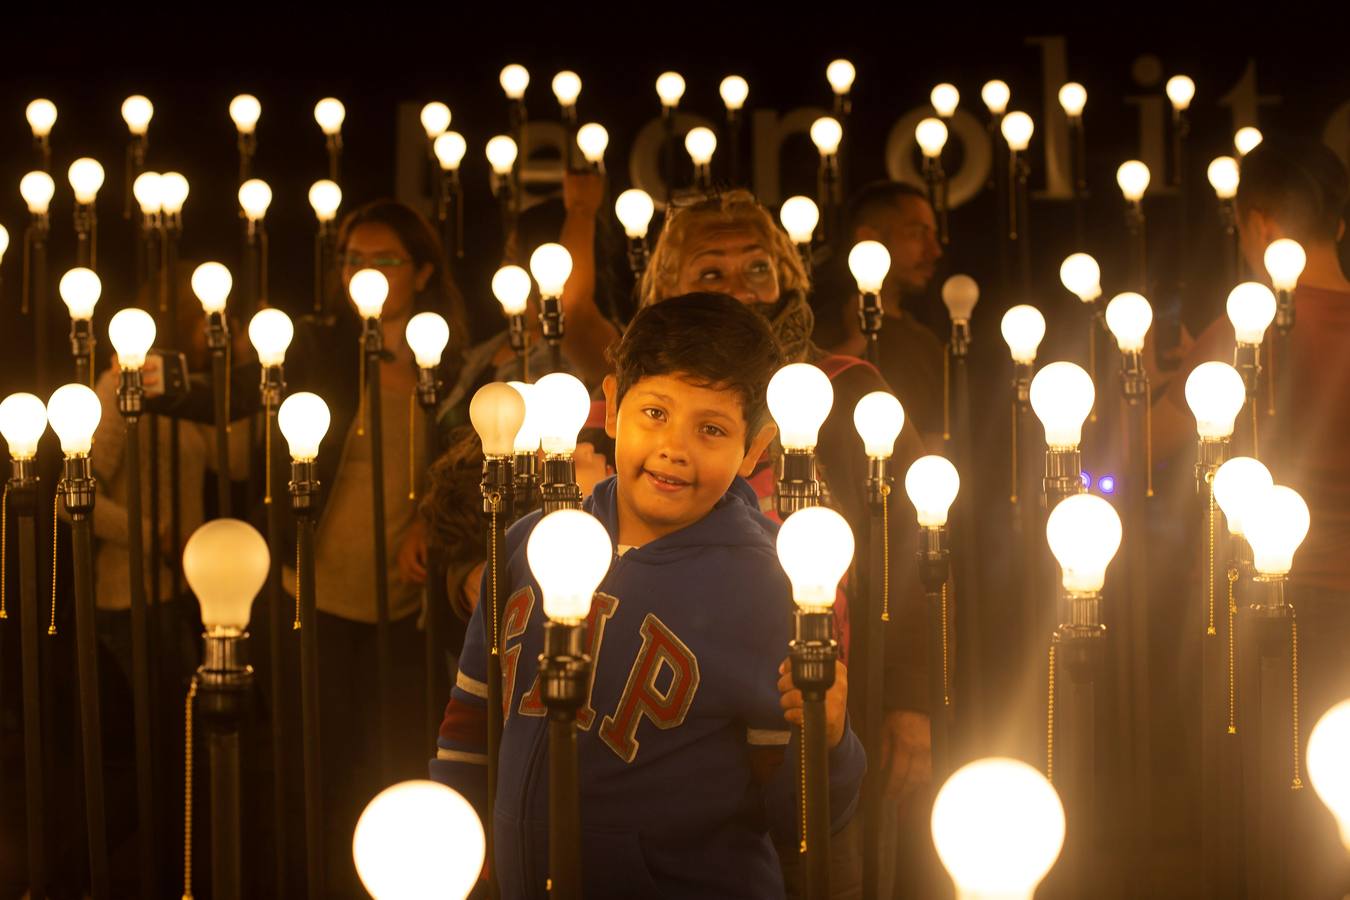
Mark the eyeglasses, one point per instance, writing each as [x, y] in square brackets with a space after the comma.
[694, 197]
[357, 261]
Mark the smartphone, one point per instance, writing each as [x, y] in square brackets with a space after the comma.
[165, 375]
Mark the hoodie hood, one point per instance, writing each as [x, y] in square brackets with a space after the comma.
[735, 521]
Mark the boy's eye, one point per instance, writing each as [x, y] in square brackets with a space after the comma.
[653, 412]
[714, 431]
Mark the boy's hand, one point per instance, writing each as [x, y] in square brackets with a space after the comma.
[836, 701]
[412, 553]
[907, 752]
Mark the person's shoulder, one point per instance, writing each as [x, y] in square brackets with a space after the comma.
[519, 531]
[851, 377]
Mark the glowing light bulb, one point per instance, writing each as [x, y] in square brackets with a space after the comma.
[514, 79]
[132, 332]
[1017, 129]
[1223, 177]
[670, 88]
[700, 143]
[1073, 97]
[501, 154]
[1328, 749]
[417, 834]
[1237, 483]
[1246, 139]
[944, 98]
[450, 148]
[329, 113]
[1023, 327]
[826, 133]
[271, 331]
[148, 189]
[567, 88]
[932, 484]
[325, 197]
[427, 334]
[37, 189]
[569, 553]
[369, 289]
[74, 412]
[1128, 316]
[303, 419]
[996, 95]
[734, 90]
[225, 563]
[879, 418]
[255, 196]
[511, 286]
[840, 73]
[4, 240]
[815, 547]
[23, 419]
[931, 135]
[800, 397]
[563, 406]
[635, 210]
[1215, 393]
[211, 282]
[1133, 178]
[527, 438]
[1285, 260]
[86, 177]
[173, 192]
[1062, 395]
[869, 261]
[1084, 534]
[551, 264]
[497, 412]
[435, 118]
[960, 293]
[1251, 309]
[80, 289]
[245, 110]
[1081, 276]
[137, 111]
[1180, 90]
[799, 216]
[41, 115]
[593, 140]
[1275, 525]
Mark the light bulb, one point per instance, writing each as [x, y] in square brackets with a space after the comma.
[869, 261]
[1328, 749]
[74, 412]
[960, 293]
[551, 264]
[1223, 177]
[1128, 316]
[1246, 139]
[303, 419]
[932, 484]
[450, 148]
[1073, 97]
[800, 397]
[1215, 393]
[1237, 484]
[815, 547]
[497, 411]
[1285, 260]
[325, 197]
[1133, 178]
[427, 334]
[86, 177]
[80, 289]
[879, 418]
[511, 286]
[1180, 90]
[635, 210]
[593, 140]
[271, 331]
[148, 189]
[254, 197]
[567, 87]
[826, 133]
[1275, 525]
[173, 192]
[996, 95]
[1251, 309]
[563, 407]
[330, 113]
[932, 136]
[37, 189]
[245, 110]
[1023, 327]
[435, 118]
[137, 112]
[527, 438]
[1084, 534]
[416, 839]
[670, 88]
[211, 282]
[1062, 395]
[944, 98]
[41, 115]
[569, 553]
[23, 419]
[4, 240]
[1017, 129]
[998, 827]
[1080, 275]
[700, 143]
[132, 332]
[514, 79]
[225, 563]
[501, 154]
[840, 74]
[734, 90]
[799, 216]
[369, 289]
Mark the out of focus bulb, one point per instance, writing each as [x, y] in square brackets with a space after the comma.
[132, 332]
[1084, 534]
[1133, 178]
[325, 196]
[80, 289]
[86, 177]
[245, 110]
[569, 552]
[1017, 128]
[270, 331]
[226, 564]
[211, 282]
[450, 148]
[527, 438]
[799, 216]
[254, 197]
[815, 547]
[329, 113]
[1285, 260]
[137, 111]
[551, 264]
[1237, 484]
[1275, 525]
[800, 397]
[1081, 276]
[840, 73]
[1223, 177]
[1328, 749]
[932, 483]
[593, 140]
[700, 143]
[1251, 309]
[435, 118]
[1062, 395]
[501, 154]
[1180, 90]
[944, 98]
[1072, 98]
[369, 289]
[996, 95]
[148, 189]
[414, 835]
[567, 88]
[4, 240]
[497, 412]
[173, 192]
[514, 79]
[635, 209]
[37, 189]
[734, 90]
[869, 261]
[879, 418]
[41, 115]
[427, 334]
[303, 419]
[563, 406]
[960, 293]
[1023, 327]
[1246, 139]
[23, 419]
[1215, 393]
[1128, 316]
[826, 133]
[511, 286]
[670, 88]
[931, 135]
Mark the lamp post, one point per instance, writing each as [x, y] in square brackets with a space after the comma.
[635, 209]
[800, 216]
[1023, 328]
[86, 177]
[450, 148]
[41, 115]
[1133, 178]
[80, 289]
[225, 562]
[826, 133]
[245, 110]
[74, 413]
[435, 119]
[137, 110]
[700, 143]
[1251, 308]
[329, 114]
[514, 79]
[669, 88]
[1082, 277]
[37, 189]
[254, 198]
[815, 547]
[841, 74]
[566, 88]
[569, 552]
[525, 452]
[551, 265]
[132, 332]
[23, 419]
[869, 261]
[960, 293]
[931, 135]
[211, 282]
[1223, 177]
[1180, 91]
[392, 836]
[324, 197]
[303, 419]
[592, 140]
[734, 91]
[148, 189]
[800, 397]
[1072, 99]
[1017, 129]
[996, 94]
[501, 154]
[173, 190]
[998, 826]
[562, 405]
[511, 285]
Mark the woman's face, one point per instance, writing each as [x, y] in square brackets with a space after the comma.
[728, 259]
[373, 245]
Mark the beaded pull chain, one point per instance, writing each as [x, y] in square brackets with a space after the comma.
[802, 746]
[946, 393]
[51, 627]
[885, 553]
[412, 445]
[946, 682]
[494, 501]
[1050, 718]
[1232, 653]
[187, 789]
[1209, 552]
[1013, 494]
[295, 626]
[361, 401]
[1297, 784]
[1148, 436]
[4, 545]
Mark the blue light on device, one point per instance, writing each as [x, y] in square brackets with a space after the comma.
[1087, 480]
[1107, 484]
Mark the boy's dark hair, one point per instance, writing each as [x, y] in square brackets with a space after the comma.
[872, 198]
[713, 339]
[1298, 182]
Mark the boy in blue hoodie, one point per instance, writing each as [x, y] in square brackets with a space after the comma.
[686, 753]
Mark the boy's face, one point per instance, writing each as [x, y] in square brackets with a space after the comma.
[677, 447]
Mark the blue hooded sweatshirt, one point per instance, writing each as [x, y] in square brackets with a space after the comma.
[686, 764]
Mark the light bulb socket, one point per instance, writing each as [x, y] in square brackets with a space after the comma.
[551, 319]
[130, 394]
[559, 486]
[960, 343]
[40, 226]
[1247, 360]
[1085, 615]
[224, 679]
[1133, 377]
[525, 478]
[1209, 455]
[1063, 474]
[1134, 217]
[1079, 646]
[798, 486]
[23, 485]
[217, 332]
[843, 105]
[77, 485]
[1268, 599]
[1022, 375]
[870, 314]
[272, 388]
[428, 389]
[304, 488]
[81, 338]
[1284, 311]
[497, 486]
[84, 219]
[934, 558]
[878, 480]
[813, 651]
[516, 332]
[564, 670]
[372, 340]
[638, 254]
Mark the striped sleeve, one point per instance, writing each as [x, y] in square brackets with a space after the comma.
[461, 744]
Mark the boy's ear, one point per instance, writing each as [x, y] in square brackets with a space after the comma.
[611, 388]
[757, 448]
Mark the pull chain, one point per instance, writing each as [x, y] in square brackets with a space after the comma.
[295, 626]
[1148, 436]
[4, 545]
[412, 445]
[1297, 784]
[1270, 379]
[946, 393]
[361, 400]
[946, 695]
[1092, 360]
[494, 501]
[1232, 654]
[1050, 718]
[1209, 516]
[227, 387]
[1255, 442]
[802, 747]
[267, 458]
[51, 628]
[885, 553]
[187, 790]
[1013, 495]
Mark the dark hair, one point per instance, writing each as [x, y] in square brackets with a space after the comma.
[712, 339]
[1298, 182]
[872, 198]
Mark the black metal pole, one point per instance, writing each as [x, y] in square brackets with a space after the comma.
[23, 496]
[304, 488]
[373, 344]
[1078, 174]
[934, 570]
[734, 147]
[870, 318]
[871, 640]
[437, 680]
[813, 653]
[564, 670]
[271, 388]
[1079, 646]
[1134, 221]
[217, 339]
[225, 685]
[966, 676]
[497, 489]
